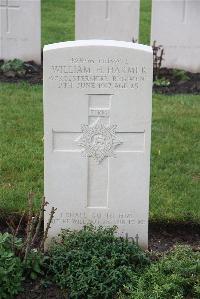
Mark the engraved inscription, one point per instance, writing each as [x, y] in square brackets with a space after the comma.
[100, 112]
[99, 218]
[98, 140]
[100, 73]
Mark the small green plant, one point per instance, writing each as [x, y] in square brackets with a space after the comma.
[94, 263]
[14, 268]
[14, 67]
[9, 242]
[180, 75]
[32, 257]
[34, 264]
[177, 275]
[161, 82]
[11, 272]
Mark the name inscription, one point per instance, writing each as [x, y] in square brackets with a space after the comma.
[100, 73]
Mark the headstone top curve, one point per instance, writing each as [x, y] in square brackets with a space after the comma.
[94, 42]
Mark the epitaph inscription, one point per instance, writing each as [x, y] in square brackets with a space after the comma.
[107, 73]
[99, 218]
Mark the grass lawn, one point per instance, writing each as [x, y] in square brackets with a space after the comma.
[57, 21]
[175, 160]
[145, 21]
[175, 187]
[175, 179]
[21, 145]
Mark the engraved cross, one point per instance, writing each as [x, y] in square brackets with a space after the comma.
[184, 16]
[8, 5]
[107, 3]
[98, 176]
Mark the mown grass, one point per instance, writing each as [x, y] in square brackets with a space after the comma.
[175, 178]
[145, 21]
[21, 145]
[175, 161]
[57, 21]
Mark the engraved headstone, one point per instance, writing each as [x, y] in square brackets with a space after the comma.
[20, 30]
[175, 26]
[107, 19]
[97, 120]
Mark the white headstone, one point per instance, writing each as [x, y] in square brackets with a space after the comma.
[175, 26]
[20, 30]
[107, 19]
[97, 120]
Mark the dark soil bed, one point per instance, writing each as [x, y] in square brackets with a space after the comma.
[163, 236]
[33, 74]
[34, 290]
[185, 83]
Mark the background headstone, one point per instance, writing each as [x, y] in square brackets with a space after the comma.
[175, 26]
[97, 120]
[107, 19]
[20, 30]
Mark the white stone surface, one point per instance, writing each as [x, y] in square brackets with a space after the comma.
[97, 123]
[20, 30]
[107, 19]
[175, 26]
